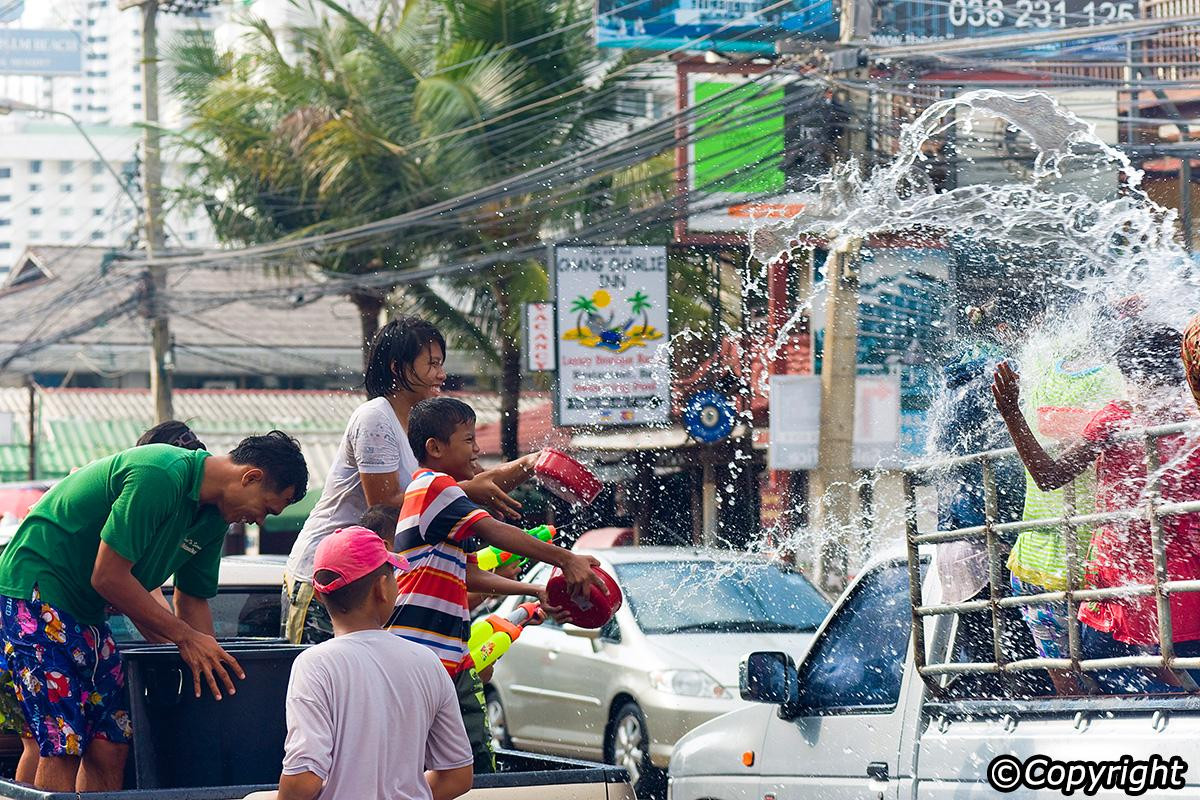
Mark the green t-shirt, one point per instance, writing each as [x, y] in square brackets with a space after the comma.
[145, 504]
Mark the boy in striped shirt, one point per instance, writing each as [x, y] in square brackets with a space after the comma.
[439, 531]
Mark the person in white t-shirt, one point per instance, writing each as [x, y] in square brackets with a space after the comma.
[374, 463]
[369, 714]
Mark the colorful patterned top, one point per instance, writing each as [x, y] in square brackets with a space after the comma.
[1039, 556]
[1191, 355]
[434, 534]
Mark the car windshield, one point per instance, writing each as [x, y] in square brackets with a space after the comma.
[699, 596]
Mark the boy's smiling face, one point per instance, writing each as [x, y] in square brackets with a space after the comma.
[459, 457]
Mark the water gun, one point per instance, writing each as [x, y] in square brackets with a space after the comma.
[493, 635]
[492, 557]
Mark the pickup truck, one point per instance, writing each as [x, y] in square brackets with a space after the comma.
[892, 701]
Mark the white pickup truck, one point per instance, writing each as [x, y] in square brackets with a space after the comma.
[855, 720]
[892, 702]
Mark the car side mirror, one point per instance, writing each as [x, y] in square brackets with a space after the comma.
[592, 634]
[769, 677]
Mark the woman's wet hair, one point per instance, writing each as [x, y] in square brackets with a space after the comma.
[1149, 354]
[398, 343]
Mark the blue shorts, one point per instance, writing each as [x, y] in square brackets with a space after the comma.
[68, 677]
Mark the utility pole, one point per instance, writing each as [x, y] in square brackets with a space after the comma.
[834, 487]
[160, 330]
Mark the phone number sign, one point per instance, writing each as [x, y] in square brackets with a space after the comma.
[931, 20]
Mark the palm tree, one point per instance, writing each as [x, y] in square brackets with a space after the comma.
[640, 304]
[582, 306]
[325, 140]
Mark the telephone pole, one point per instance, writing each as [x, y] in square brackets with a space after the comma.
[834, 486]
[154, 239]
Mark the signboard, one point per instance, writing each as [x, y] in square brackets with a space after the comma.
[795, 434]
[934, 20]
[40, 52]
[795, 427]
[612, 322]
[725, 25]
[740, 175]
[539, 337]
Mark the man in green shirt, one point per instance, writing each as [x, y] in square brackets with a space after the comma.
[108, 534]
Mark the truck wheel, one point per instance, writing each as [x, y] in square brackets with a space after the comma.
[496, 721]
[628, 745]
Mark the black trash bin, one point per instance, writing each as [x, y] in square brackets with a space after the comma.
[181, 741]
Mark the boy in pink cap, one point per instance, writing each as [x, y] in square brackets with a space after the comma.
[348, 696]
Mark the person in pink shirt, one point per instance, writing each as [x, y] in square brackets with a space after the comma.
[1121, 550]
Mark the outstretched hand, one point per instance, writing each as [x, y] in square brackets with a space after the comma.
[483, 491]
[1006, 389]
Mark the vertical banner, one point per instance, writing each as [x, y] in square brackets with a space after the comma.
[612, 321]
[539, 337]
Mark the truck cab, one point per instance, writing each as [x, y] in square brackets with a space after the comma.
[899, 698]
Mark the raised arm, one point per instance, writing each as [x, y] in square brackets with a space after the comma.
[1048, 473]
[576, 569]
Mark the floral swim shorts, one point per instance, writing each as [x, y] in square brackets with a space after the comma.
[1047, 622]
[68, 677]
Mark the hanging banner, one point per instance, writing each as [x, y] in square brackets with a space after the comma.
[795, 432]
[612, 326]
[539, 337]
[37, 52]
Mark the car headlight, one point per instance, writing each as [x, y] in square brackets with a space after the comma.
[686, 682]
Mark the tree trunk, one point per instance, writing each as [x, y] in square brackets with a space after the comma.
[510, 386]
[369, 306]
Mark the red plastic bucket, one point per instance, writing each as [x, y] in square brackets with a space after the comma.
[590, 610]
[566, 477]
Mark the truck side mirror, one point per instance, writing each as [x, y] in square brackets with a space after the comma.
[769, 677]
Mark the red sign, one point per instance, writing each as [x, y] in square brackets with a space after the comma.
[539, 337]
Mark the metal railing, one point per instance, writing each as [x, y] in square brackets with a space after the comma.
[1152, 509]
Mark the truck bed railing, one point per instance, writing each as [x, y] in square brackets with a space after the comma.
[1152, 509]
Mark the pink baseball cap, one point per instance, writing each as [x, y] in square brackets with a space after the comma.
[352, 553]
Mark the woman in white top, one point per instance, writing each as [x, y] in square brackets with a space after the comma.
[375, 462]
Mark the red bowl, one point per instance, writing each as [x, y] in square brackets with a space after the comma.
[566, 477]
[592, 610]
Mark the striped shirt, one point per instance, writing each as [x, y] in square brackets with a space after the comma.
[1039, 556]
[434, 534]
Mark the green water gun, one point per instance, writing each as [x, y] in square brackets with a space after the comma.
[493, 635]
[491, 558]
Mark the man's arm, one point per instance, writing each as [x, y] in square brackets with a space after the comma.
[1048, 473]
[446, 784]
[576, 569]
[301, 786]
[112, 578]
[195, 611]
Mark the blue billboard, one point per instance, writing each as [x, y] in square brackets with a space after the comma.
[723, 25]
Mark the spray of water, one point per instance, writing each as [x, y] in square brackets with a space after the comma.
[1071, 210]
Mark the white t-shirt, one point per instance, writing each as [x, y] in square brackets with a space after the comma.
[374, 442]
[368, 713]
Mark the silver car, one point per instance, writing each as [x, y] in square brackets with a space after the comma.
[667, 662]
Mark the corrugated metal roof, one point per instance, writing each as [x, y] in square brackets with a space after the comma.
[76, 426]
